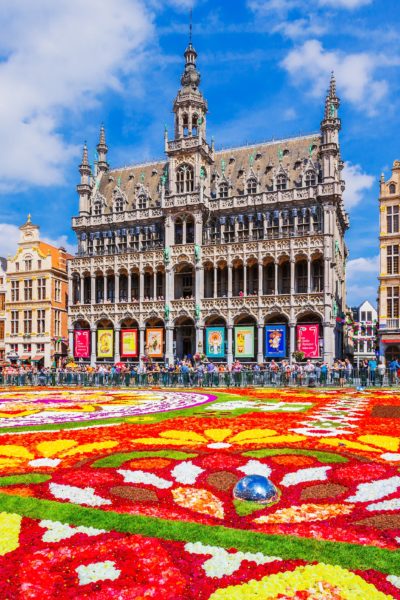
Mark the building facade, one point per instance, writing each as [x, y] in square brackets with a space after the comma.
[364, 332]
[36, 301]
[233, 253]
[3, 278]
[389, 274]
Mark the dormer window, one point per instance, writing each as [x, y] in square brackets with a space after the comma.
[310, 178]
[97, 208]
[252, 186]
[119, 205]
[281, 182]
[142, 201]
[392, 188]
[223, 190]
[184, 179]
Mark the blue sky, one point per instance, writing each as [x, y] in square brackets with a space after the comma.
[69, 65]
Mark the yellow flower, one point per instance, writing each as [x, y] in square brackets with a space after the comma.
[367, 443]
[218, 438]
[48, 454]
[10, 525]
[349, 585]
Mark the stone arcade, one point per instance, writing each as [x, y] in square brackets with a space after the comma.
[243, 237]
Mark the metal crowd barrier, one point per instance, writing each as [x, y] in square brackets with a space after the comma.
[242, 379]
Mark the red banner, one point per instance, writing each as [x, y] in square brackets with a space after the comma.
[308, 340]
[129, 343]
[82, 343]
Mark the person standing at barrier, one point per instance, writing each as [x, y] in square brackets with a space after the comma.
[372, 370]
[364, 373]
[393, 367]
[381, 369]
[236, 370]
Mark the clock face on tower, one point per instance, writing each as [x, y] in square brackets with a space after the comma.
[28, 235]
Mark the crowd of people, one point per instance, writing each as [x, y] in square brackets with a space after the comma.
[190, 372]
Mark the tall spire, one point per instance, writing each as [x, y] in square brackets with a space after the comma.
[330, 127]
[102, 150]
[332, 102]
[84, 167]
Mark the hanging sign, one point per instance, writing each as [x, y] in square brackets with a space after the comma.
[215, 342]
[244, 342]
[155, 342]
[275, 341]
[307, 340]
[82, 343]
[105, 343]
[129, 343]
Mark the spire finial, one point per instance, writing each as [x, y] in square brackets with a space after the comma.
[85, 157]
[102, 138]
[190, 26]
[29, 218]
[332, 85]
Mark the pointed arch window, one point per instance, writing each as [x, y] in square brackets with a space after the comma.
[252, 185]
[310, 178]
[195, 124]
[281, 182]
[223, 190]
[184, 179]
[392, 188]
[142, 201]
[185, 124]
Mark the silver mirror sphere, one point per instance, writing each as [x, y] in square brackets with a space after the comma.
[256, 488]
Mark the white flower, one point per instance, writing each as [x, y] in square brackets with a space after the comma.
[44, 462]
[393, 504]
[391, 456]
[313, 474]
[218, 445]
[223, 562]
[394, 580]
[255, 467]
[57, 531]
[97, 572]
[143, 477]
[366, 492]
[186, 472]
[77, 495]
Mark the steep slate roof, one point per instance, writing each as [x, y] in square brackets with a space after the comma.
[265, 159]
[3, 263]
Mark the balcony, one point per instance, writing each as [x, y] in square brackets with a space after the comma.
[392, 324]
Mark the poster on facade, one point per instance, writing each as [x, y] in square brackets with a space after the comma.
[105, 343]
[215, 342]
[82, 343]
[155, 342]
[129, 343]
[244, 342]
[308, 340]
[275, 341]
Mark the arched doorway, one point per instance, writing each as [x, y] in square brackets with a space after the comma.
[391, 353]
[184, 337]
[245, 338]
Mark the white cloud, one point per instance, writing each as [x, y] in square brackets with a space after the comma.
[310, 63]
[349, 4]
[357, 182]
[57, 57]
[361, 277]
[9, 238]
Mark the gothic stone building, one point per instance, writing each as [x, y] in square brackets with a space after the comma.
[211, 242]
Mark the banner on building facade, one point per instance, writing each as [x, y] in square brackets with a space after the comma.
[215, 342]
[155, 342]
[308, 340]
[275, 341]
[105, 343]
[129, 343]
[244, 342]
[82, 343]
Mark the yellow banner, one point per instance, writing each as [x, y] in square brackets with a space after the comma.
[105, 343]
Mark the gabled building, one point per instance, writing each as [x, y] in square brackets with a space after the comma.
[36, 301]
[364, 332]
[232, 253]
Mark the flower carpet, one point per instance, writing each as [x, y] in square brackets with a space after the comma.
[128, 494]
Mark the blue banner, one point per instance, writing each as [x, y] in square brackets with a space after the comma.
[215, 342]
[275, 341]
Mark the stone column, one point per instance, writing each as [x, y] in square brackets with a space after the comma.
[117, 356]
[199, 338]
[229, 356]
[184, 231]
[260, 279]
[292, 275]
[260, 356]
[70, 290]
[169, 352]
[81, 289]
[93, 289]
[276, 278]
[154, 285]
[129, 286]
[92, 346]
[329, 342]
[215, 294]
[229, 281]
[71, 341]
[141, 341]
[141, 286]
[292, 340]
[105, 281]
[245, 279]
[308, 275]
[116, 287]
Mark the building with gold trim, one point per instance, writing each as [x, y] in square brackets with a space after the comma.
[389, 269]
[36, 301]
[239, 239]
